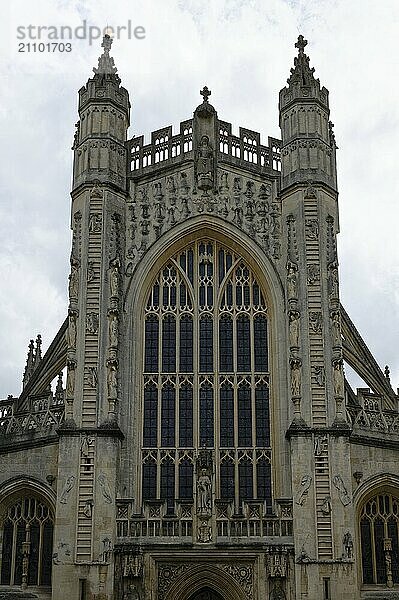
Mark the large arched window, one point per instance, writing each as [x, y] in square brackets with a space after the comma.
[206, 377]
[379, 520]
[27, 544]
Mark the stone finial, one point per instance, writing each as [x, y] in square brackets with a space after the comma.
[387, 373]
[205, 93]
[30, 364]
[301, 73]
[38, 350]
[106, 65]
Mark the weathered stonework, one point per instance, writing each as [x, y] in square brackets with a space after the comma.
[202, 239]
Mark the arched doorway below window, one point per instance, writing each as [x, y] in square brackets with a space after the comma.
[27, 543]
[206, 594]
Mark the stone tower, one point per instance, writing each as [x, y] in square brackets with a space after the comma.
[90, 437]
[318, 433]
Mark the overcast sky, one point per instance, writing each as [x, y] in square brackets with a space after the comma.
[243, 51]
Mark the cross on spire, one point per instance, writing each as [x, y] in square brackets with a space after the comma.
[301, 43]
[205, 93]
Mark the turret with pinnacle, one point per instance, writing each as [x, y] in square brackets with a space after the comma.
[308, 151]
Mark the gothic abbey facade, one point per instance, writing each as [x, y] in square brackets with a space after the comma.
[207, 444]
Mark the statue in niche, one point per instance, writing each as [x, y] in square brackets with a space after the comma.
[131, 593]
[113, 331]
[71, 331]
[114, 277]
[170, 185]
[292, 281]
[204, 493]
[184, 208]
[333, 280]
[237, 186]
[348, 545]
[184, 187]
[303, 490]
[338, 378]
[237, 218]
[315, 321]
[205, 164]
[336, 328]
[74, 279]
[171, 216]
[159, 210]
[295, 364]
[342, 491]
[224, 186]
[95, 223]
[70, 385]
[112, 379]
[320, 444]
[294, 317]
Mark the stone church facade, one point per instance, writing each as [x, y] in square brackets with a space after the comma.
[205, 444]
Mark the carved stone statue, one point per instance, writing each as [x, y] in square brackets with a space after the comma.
[336, 329]
[204, 493]
[114, 277]
[292, 281]
[338, 378]
[205, 164]
[70, 384]
[348, 545]
[294, 328]
[333, 280]
[295, 377]
[112, 379]
[113, 331]
[74, 279]
[71, 331]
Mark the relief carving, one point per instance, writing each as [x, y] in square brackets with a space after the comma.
[303, 490]
[105, 488]
[68, 485]
[342, 491]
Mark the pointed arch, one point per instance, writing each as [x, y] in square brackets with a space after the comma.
[201, 576]
[135, 301]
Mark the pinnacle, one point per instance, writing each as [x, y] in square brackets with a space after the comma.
[106, 65]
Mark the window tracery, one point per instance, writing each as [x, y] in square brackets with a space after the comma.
[379, 522]
[27, 543]
[206, 377]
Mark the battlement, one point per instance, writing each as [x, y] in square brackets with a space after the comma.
[243, 150]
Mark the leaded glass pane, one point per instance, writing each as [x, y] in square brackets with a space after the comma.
[243, 344]
[186, 344]
[245, 480]
[151, 345]
[226, 416]
[186, 416]
[260, 344]
[169, 344]
[206, 415]
[226, 344]
[244, 416]
[263, 482]
[367, 554]
[227, 486]
[149, 481]
[150, 417]
[185, 480]
[168, 482]
[206, 345]
[262, 416]
[168, 416]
